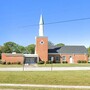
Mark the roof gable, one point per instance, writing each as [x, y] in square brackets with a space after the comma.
[68, 50]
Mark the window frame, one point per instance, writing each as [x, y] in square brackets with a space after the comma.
[57, 58]
[63, 58]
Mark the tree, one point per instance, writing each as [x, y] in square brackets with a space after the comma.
[31, 48]
[60, 44]
[10, 47]
[0, 51]
[50, 43]
[22, 49]
[88, 51]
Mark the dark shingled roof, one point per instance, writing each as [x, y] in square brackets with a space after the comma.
[68, 49]
[53, 49]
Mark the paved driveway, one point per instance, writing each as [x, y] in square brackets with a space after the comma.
[43, 68]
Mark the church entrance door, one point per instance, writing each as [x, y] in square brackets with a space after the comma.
[71, 59]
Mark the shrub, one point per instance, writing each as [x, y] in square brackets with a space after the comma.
[18, 62]
[14, 63]
[88, 61]
[8, 63]
[64, 62]
[85, 61]
[82, 61]
[3, 62]
[41, 62]
[79, 61]
[58, 62]
[49, 62]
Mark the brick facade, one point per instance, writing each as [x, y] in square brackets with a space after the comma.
[75, 57]
[12, 58]
[42, 48]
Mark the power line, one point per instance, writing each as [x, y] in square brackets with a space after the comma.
[72, 20]
[68, 21]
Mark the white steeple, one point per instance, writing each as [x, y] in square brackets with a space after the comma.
[41, 26]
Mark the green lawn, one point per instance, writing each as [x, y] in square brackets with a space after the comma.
[11, 65]
[48, 65]
[65, 65]
[33, 88]
[50, 78]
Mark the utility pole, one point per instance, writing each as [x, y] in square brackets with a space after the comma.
[52, 58]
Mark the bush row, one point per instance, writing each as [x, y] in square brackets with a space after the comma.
[50, 62]
[43, 62]
[64, 62]
[3, 62]
[82, 61]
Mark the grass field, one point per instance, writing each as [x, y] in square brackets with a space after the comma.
[11, 65]
[48, 65]
[50, 78]
[65, 65]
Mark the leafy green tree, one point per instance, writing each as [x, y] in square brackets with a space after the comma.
[22, 49]
[31, 48]
[60, 44]
[10, 47]
[0, 51]
[88, 51]
[50, 43]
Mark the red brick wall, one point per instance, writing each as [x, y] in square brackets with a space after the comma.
[67, 57]
[42, 49]
[12, 58]
[80, 57]
[54, 56]
[75, 57]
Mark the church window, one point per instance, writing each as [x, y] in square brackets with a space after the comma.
[57, 57]
[49, 57]
[63, 58]
[41, 42]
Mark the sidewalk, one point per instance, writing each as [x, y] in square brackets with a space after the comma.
[43, 68]
[46, 86]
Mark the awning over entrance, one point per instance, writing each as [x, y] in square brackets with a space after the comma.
[30, 58]
[30, 55]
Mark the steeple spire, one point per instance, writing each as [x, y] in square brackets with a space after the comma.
[41, 26]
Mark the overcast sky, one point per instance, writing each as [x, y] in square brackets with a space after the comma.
[16, 16]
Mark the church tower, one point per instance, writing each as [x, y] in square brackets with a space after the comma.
[42, 42]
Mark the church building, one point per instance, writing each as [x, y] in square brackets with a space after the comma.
[44, 52]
